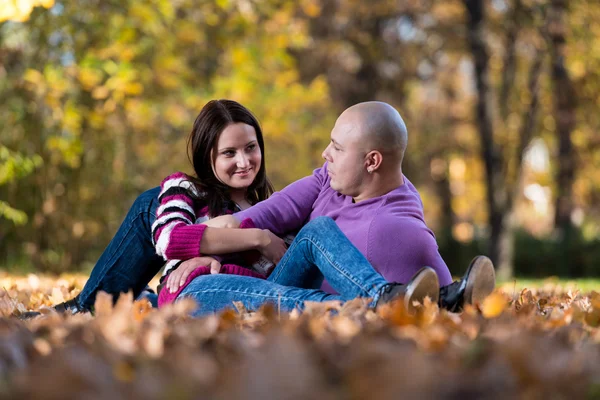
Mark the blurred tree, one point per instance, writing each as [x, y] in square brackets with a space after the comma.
[102, 90]
[105, 92]
[565, 104]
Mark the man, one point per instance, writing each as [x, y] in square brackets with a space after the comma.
[361, 187]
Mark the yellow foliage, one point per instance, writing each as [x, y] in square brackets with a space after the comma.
[89, 77]
[19, 10]
[312, 8]
[100, 92]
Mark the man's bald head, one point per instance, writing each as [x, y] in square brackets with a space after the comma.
[379, 126]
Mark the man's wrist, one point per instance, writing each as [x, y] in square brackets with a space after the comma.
[262, 238]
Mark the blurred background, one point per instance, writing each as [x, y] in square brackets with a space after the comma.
[500, 97]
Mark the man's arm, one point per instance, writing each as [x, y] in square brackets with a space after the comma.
[288, 209]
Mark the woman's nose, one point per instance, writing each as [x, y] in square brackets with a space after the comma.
[242, 161]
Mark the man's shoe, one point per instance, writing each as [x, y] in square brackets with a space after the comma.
[423, 284]
[477, 283]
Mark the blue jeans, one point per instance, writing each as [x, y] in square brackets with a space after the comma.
[129, 261]
[320, 250]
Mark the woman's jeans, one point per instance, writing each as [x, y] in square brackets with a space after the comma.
[129, 262]
[320, 250]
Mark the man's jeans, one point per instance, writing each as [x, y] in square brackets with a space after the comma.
[320, 250]
[129, 261]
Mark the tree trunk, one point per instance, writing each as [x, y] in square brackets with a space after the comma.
[564, 106]
[496, 193]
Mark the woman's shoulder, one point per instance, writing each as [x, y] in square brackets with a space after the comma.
[179, 180]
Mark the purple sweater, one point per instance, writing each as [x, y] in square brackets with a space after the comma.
[389, 230]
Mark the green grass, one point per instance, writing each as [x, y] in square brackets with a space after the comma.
[551, 283]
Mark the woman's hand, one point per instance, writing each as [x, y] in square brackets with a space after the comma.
[178, 277]
[272, 246]
[223, 221]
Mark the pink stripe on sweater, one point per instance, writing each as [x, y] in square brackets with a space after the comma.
[184, 242]
[158, 232]
[176, 175]
[182, 197]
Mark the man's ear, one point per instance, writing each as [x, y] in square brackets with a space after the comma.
[373, 160]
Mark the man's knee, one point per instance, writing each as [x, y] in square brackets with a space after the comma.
[320, 224]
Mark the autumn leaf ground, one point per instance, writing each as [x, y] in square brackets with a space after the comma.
[534, 343]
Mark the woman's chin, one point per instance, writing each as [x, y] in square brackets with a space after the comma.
[240, 183]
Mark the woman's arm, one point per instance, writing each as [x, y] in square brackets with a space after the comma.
[223, 241]
[174, 234]
[176, 237]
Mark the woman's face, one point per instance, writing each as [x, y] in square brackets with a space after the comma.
[237, 157]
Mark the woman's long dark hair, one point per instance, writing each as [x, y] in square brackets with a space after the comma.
[214, 117]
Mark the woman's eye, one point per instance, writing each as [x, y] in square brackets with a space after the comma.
[228, 153]
[251, 147]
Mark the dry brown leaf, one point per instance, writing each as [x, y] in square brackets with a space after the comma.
[494, 305]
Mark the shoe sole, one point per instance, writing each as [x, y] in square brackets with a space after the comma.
[424, 283]
[481, 280]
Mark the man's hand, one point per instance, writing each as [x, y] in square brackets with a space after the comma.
[223, 221]
[272, 247]
[178, 277]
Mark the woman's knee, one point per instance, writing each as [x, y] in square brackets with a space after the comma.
[147, 201]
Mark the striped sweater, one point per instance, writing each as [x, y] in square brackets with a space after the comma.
[178, 229]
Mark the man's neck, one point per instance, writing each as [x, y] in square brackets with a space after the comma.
[380, 185]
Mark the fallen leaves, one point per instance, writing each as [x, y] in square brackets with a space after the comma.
[532, 344]
[494, 305]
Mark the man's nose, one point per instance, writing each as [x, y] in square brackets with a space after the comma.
[325, 154]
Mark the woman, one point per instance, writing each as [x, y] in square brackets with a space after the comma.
[226, 148]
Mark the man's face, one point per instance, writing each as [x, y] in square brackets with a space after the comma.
[346, 157]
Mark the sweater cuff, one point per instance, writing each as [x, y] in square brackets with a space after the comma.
[185, 242]
[247, 224]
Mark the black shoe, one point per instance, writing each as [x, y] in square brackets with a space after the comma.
[477, 283]
[424, 283]
[27, 315]
[69, 307]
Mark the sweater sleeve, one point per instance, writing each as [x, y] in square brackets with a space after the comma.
[399, 246]
[174, 234]
[289, 209]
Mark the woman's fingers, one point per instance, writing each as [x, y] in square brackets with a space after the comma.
[184, 275]
[173, 281]
[215, 267]
[178, 277]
